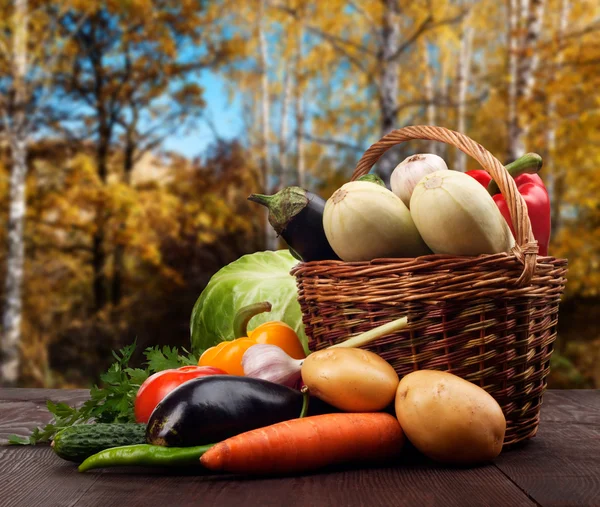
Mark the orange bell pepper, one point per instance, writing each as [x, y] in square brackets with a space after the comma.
[228, 355]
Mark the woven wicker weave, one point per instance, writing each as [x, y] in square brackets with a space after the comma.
[490, 319]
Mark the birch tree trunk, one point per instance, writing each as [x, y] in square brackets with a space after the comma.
[462, 83]
[432, 146]
[531, 58]
[513, 148]
[299, 112]
[267, 169]
[556, 186]
[530, 61]
[523, 14]
[16, 130]
[442, 148]
[388, 73]
[524, 61]
[388, 66]
[283, 137]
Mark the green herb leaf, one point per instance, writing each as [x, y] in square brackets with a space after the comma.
[165, 358]
[17, 440]
[113, 401]
[137, 376]
[159, 359]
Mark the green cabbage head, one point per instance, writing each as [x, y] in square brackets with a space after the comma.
[261, 276]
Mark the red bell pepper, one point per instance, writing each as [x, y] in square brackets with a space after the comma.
[532, 188]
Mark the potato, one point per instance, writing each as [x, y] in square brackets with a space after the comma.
[353, 380]
[448, 418]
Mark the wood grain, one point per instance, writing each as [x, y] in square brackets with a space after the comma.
[561, 465]
[572, 406]
[558, 467]
[37, 477]
[376, 487]
[21, 410]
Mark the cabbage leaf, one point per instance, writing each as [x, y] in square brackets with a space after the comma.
[261, 276]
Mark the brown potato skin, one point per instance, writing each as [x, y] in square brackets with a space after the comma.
[351, 379]
[449, 419]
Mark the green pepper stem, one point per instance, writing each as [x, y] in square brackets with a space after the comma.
[243, 316]
[530, 163]
[145, 455]
[373, 334]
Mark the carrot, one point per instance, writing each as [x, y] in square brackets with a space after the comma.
[307, 444]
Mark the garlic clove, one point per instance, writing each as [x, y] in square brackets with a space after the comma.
[269, 362]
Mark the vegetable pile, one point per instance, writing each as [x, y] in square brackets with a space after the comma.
[429, 209]
[252, 399]
[285, 414]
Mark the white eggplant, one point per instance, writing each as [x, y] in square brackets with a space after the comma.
[363, 221]
[456, 215]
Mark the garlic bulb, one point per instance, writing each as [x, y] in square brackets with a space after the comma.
[410, 171]
[269, 362]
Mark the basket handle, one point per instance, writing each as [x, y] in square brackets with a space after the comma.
[526, 247]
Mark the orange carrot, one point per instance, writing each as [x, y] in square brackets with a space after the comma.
[307, 444]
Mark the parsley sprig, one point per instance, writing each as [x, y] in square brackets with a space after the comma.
[113, 401]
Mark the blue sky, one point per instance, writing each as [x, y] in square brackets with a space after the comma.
[226, 117]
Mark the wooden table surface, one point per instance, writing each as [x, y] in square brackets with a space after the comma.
[559, 467]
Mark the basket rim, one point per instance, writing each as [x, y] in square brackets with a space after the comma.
[424, 259]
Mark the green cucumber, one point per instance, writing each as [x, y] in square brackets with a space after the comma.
[76, 443]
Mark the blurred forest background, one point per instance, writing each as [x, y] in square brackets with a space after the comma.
[109, 232]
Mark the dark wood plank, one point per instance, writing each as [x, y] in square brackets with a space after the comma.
[21, 410]
[41, 395]
[35, 476]
[424, 485]
[574, 406]
[561, 465]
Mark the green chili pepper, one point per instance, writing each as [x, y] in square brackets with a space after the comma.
[155, 455]
[145, 454]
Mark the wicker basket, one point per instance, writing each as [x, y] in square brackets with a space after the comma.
[490, 319]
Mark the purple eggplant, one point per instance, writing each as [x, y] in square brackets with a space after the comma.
[297, 216]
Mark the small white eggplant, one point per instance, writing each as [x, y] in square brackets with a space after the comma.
[456, 215]
[363, 221]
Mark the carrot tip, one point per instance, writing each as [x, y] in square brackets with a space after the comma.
[214, 458]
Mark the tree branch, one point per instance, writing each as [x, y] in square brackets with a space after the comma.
[63, 249]
[442, 103]
[4, 108]
[213, 128]
[334, 142]
[574, 63]
[49, 66]
[426, 25]
[336, 42]
[593, 27]
[4, 49]
[373, 25]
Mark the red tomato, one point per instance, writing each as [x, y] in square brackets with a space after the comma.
[157, 386]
